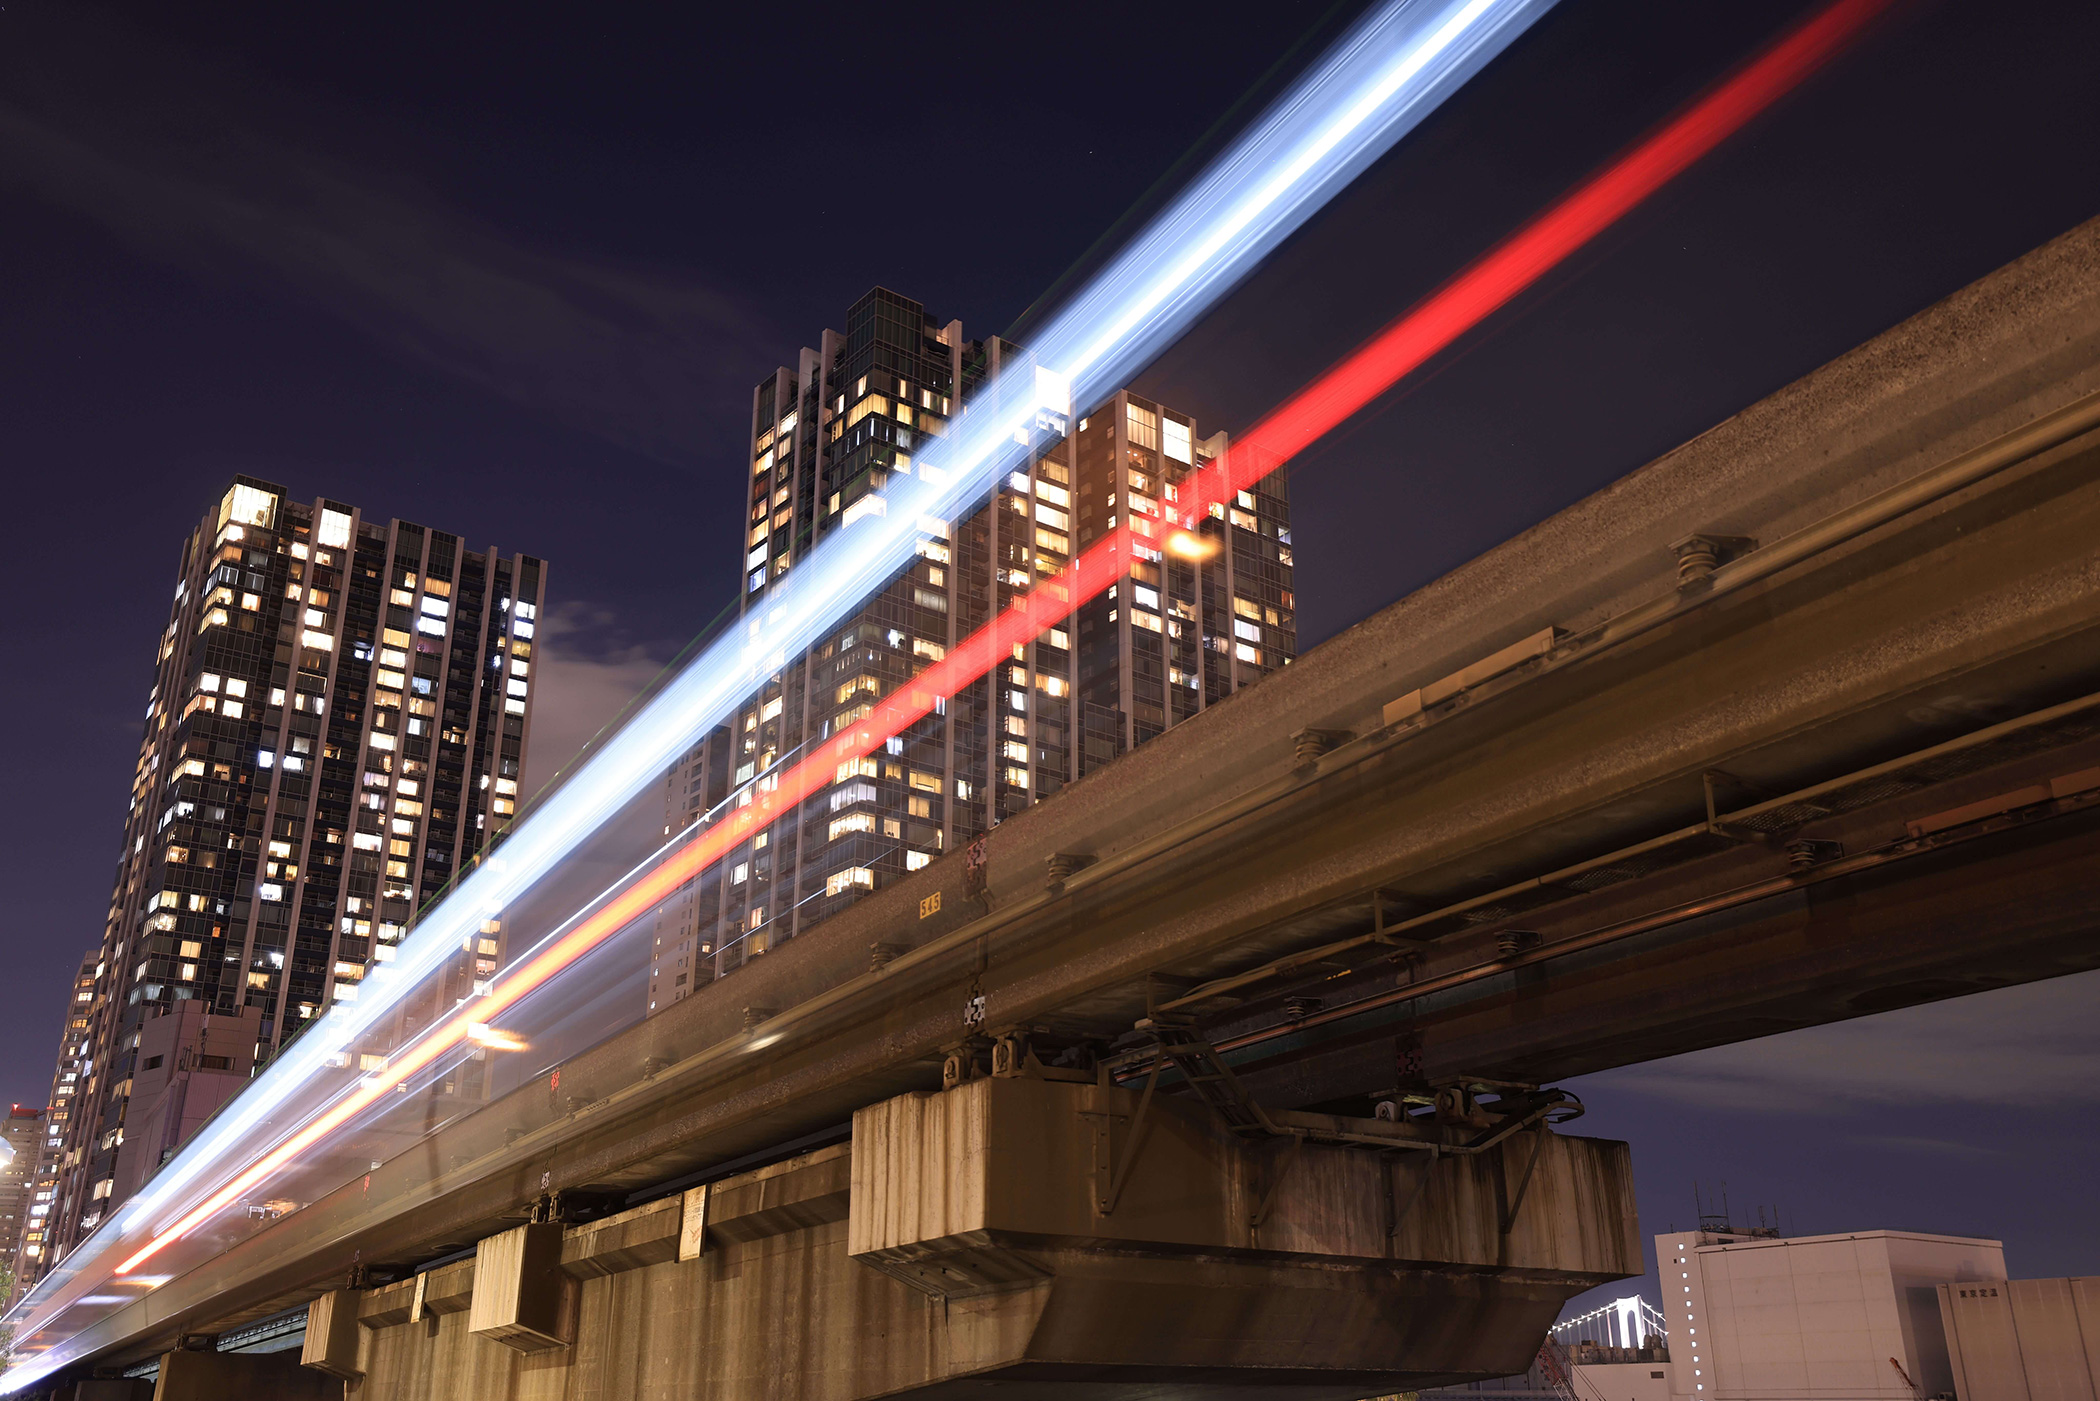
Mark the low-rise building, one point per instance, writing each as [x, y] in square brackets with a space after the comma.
[2023, 1339]
[1754, 1316]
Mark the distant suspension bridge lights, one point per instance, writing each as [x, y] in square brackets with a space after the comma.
[1403, 346]
[1626, 1322]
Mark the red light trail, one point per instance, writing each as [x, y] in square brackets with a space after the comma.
[1405, 345]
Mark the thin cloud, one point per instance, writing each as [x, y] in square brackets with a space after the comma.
[643, 358]
[585, 677]
[1938, 1147]
[2030, 1045]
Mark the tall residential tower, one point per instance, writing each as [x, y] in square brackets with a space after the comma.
[336, 727]
[35, 1252]
[1174, 634]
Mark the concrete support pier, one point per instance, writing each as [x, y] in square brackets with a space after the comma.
[1020, 1237]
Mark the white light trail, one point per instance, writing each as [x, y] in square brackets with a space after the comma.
[1384, 77]
[1392, 68]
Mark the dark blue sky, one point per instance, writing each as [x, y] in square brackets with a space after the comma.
[512, 273]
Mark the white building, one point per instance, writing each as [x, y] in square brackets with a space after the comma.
[1851, 1317]
[2024, 1339]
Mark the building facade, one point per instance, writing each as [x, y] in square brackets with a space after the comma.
[2023, 1339]
[1755, 1316]
[21, 1147]
[336, 728]
[34, 1255]
[1174, 634]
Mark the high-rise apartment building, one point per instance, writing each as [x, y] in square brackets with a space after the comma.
[21, 1145]
[1175, 633]
[35, 1254]
[336, 727]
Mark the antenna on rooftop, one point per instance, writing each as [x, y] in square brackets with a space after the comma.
[1710, 1220]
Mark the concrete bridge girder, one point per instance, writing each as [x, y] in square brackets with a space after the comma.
[1228, 843]
[957, 1246]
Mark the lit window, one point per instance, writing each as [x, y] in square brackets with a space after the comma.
[852, 822]
[334, 529]
[852, 878]
[851, 793]
[246, 505]
[1143, 427]
[1175, 441]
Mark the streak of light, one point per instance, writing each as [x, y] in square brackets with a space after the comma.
[495, 1038]
[1373, 85]
[1187, 544]
[1400, 348]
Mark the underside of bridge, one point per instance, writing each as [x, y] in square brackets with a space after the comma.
[1798, 722]
[1025, 1236]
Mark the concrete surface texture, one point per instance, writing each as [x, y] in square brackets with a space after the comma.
[957, 1247]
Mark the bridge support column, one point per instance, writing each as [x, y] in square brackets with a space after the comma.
[241, 1376]
[1219, 1262]
[1034, 1237]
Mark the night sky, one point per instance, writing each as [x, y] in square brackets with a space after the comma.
[512, 271]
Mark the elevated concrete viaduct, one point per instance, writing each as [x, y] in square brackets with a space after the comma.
[1220, 1071]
